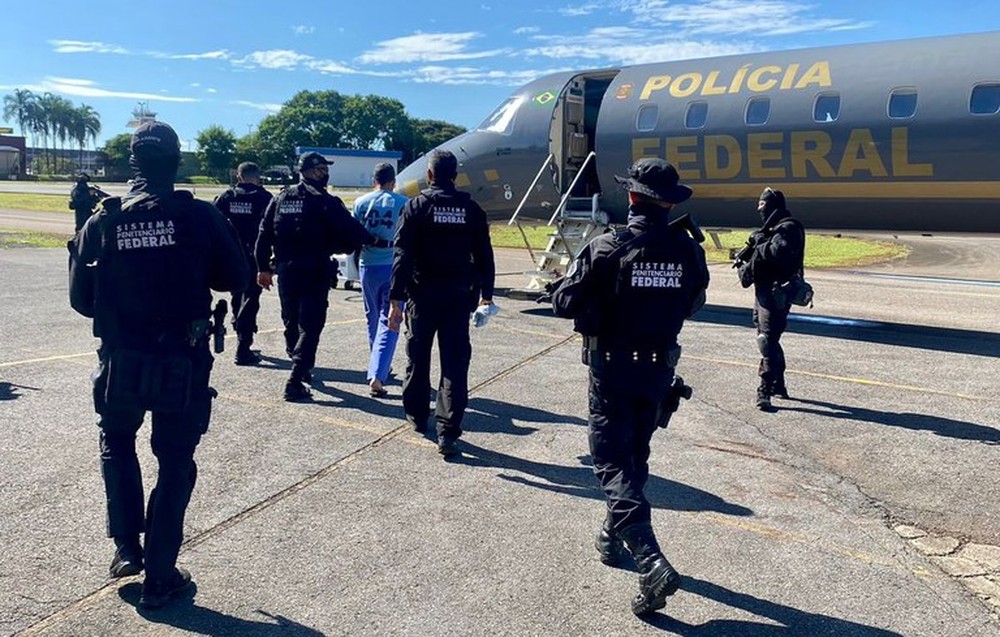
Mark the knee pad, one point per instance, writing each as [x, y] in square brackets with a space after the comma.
[763, 344]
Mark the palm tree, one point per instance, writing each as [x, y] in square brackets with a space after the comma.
[91, 122]
[17, 107]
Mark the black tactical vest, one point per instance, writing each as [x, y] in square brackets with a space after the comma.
[152, 272]
[657, 275]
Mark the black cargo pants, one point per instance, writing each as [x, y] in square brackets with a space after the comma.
[450, 321]
[770, 317]
[304, 290]
[622, 400]
[175, 435]
[245, 306]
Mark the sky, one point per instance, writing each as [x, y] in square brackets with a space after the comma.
[198, 63]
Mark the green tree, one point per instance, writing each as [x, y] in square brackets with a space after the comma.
[376, 123]
[429, 134]
[310, 118]
[248, 149]
[217, 151]
[18, 107]
[115, 154]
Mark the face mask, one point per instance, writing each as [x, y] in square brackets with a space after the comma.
[319, 184]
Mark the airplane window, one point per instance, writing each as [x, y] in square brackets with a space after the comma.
[646, 117]
[985, 99]
[827, 108]
[500, 120]
[902, 103]
[697, 114]
[758, 110]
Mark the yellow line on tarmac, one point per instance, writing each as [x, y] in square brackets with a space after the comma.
[63, 357]
[846, 379]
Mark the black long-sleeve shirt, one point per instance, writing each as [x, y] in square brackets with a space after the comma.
[305, 224]
[244, 205]
[443, 249]
[633, 289]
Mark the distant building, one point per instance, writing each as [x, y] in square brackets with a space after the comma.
[17, 143]
[353, 168]
[141, 115]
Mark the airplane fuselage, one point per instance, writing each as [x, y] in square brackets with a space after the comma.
[898, 135]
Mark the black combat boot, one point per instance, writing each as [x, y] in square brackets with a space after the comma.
[244, 356]
[778, 389]
[764, 398]
[657, 578]
[610, 547]
[128, 558]
[296, 392]
[156, 593]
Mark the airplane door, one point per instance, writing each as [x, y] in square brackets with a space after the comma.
[574, 127]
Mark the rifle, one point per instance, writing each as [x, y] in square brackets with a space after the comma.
[671, 401]
[219, 326]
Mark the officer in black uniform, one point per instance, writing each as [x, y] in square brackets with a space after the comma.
[82, 199]
[244, 205]
[629, 292]
[443, 268]
[778, 250]
[303, 226]
[156, 253]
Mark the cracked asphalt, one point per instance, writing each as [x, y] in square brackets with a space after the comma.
[866, 505]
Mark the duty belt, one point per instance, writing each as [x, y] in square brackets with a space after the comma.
[656, 357]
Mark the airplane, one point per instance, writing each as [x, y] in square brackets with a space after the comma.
[901, 136]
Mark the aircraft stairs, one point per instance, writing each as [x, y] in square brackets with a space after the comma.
[574, 222]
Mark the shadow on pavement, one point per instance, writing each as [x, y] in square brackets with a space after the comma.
[906, 420]
[938, 339]
[580, 482]
[183, 613]
[488, 415]
[793, 622]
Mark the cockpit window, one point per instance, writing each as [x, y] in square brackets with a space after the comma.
[501, 119]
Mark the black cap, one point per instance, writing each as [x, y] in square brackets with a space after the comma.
[311, 160]
[83, 177]
[772, 200]
[155, 138]
[655, 178]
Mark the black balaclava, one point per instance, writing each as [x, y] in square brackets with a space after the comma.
[772, 200]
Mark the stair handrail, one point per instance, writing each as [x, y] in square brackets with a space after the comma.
[527, 193]
[565, 198]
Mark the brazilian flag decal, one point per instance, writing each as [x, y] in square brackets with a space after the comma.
[543, 98]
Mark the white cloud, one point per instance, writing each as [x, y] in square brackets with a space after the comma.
[329, 66]
[737, 17]
[78, 46]
[580, 10]
[262, 106]
[211, 90]
[303, 29]
[274, 59]
[526, 30]
[631, 45]
[425, 47]
[474, 75]
[88, 88]
[210, 55]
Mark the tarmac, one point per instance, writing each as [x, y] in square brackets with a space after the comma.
[865, 506]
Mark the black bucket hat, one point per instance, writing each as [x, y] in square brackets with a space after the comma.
[656, 179]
